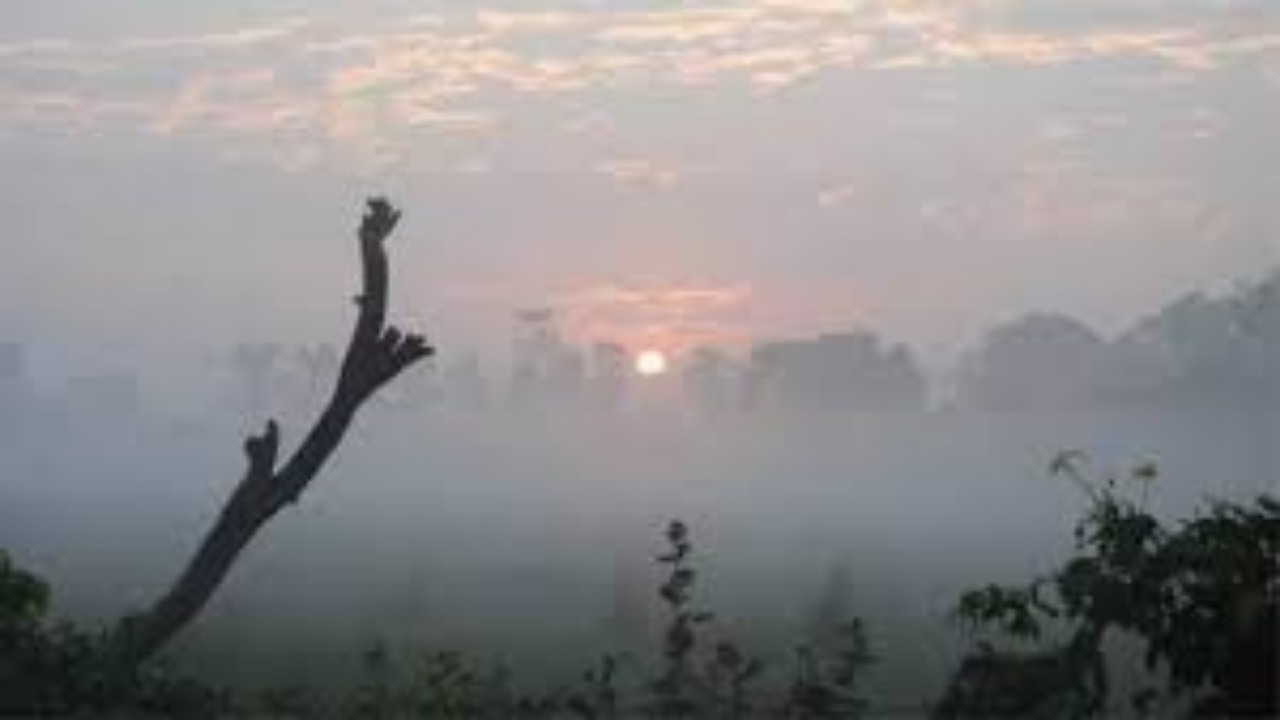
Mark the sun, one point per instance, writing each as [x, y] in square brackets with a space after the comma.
[651, 363]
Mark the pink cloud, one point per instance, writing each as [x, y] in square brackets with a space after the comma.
[373, 80]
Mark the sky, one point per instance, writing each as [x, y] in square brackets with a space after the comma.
[663, 174]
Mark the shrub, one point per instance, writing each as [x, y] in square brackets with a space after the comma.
[1202, 597]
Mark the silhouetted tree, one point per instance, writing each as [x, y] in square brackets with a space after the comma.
[1198, 352]
[850, 371]
[376, 354]
[1205, 352]
[1038, 362]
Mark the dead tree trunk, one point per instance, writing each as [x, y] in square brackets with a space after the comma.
[376, 354]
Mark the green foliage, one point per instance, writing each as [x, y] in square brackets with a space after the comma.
[375, 698]
[678, 691]
[1202, 597]
[441, 685]
[826, 684]
[599, 697]
[731, 676]
[44, 665]
[24, 599]
[51, 668]
[693, 678]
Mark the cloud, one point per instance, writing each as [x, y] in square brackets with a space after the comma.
[472, 121]
[641, 172]
[1057, 205]
[529, 22]
[243, 38]
[837, 195]
[673, 317]
[359, 80]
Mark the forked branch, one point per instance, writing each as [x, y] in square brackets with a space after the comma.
[376, 355]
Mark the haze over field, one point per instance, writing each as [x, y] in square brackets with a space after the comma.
[831, 280]
[515, 513]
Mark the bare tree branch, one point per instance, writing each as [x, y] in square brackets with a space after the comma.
[376, 355]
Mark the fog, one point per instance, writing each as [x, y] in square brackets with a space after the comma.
[512, 508]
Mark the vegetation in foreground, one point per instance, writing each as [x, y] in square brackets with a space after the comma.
[1201, 599]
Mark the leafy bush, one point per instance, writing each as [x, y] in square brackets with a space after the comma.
[50, 667]
[1202, 597]
[692, 678]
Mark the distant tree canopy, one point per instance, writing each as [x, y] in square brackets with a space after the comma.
[1197, 352]
[1223, 350]
[1037, 361]
[852, 371]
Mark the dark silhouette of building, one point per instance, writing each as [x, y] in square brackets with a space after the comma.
[843, 372]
